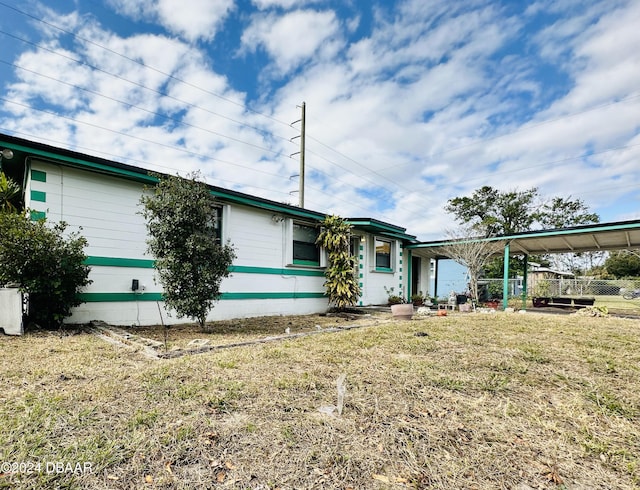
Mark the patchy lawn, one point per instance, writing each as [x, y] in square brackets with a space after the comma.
[464, 401]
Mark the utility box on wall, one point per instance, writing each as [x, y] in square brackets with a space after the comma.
[11, 311]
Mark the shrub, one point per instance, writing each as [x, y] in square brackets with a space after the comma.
[41, 261]
[190, 261]
[341, 283]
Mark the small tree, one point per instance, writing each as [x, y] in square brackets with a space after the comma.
[43, 262]
[9, 193]
[190, 260]
[471, 252]
[341, 282]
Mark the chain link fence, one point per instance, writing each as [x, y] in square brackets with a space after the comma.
[580, 286]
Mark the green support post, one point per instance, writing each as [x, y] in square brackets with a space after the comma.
[505, 284]
[524, 282]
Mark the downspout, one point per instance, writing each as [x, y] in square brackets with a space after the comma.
[524, 282]
[505, 284]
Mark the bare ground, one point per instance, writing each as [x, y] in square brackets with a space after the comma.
[464, 401]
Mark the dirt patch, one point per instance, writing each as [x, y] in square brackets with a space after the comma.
[190, 337]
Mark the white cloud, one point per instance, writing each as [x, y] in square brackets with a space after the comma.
[440, 98]
[199, 20]
[286, 4]
[293, 38]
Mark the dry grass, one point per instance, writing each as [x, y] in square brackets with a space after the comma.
[464, 401]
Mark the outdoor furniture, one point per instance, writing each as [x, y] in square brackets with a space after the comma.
[564, 302]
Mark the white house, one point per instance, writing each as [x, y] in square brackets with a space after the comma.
[278, 269]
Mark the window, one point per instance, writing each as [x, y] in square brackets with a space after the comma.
[305, 250]
[383, 255]
[216, 224]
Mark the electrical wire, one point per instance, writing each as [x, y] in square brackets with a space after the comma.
[264, 132]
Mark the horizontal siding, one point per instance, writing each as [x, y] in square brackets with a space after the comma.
[258, 239]
[105, 208]
[106, 211]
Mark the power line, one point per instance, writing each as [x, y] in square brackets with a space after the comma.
[154, 113]
[140, 85]
[156, 165]
[140, 63]
[172, 77]
[145, 140]
[362, 177]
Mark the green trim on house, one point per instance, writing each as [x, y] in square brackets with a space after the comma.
[38, 175]
[271, 206]
[119, 262]
[118, 297]
[60, 156]
[239, 269]
[384, 269]
[131, 296]
[39, 196]
[243, 269]
[86, 164]
[273, 295]
[37, 215]
[311, 263]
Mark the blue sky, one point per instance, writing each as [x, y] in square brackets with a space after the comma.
[409, 103]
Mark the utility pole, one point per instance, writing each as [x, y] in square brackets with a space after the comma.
[302, 122]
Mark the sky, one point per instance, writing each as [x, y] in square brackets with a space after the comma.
[408, 103]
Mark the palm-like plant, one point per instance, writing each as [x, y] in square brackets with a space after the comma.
[9, 190]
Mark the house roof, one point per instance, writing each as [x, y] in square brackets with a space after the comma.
[24, 149]
[27, 149]
[619, 235]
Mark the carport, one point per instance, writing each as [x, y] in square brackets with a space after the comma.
[598, 237]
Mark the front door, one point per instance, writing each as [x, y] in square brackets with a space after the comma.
[415, 275]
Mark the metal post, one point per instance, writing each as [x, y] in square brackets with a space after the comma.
[302, 138]
[524, 282]
[505, 284]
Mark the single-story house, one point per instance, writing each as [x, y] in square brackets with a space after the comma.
[278, 269]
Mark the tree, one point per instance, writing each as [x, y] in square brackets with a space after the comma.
[341, 282]
[189, 258]
[504, 213]
[471, 251]
[623, 264]
[494, 213]
[45, 263]
[563, 213]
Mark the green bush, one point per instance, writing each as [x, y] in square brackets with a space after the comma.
[191, 261]
[45, 263]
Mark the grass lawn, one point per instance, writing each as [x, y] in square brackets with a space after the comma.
[475, 401]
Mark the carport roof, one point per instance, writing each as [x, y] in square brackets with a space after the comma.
[586, 238]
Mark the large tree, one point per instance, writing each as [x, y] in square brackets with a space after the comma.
[190, 259]
[623, 264]
[492, 212]
[495, 212]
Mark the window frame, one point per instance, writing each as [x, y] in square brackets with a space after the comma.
[304, 262]
[380, 268]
